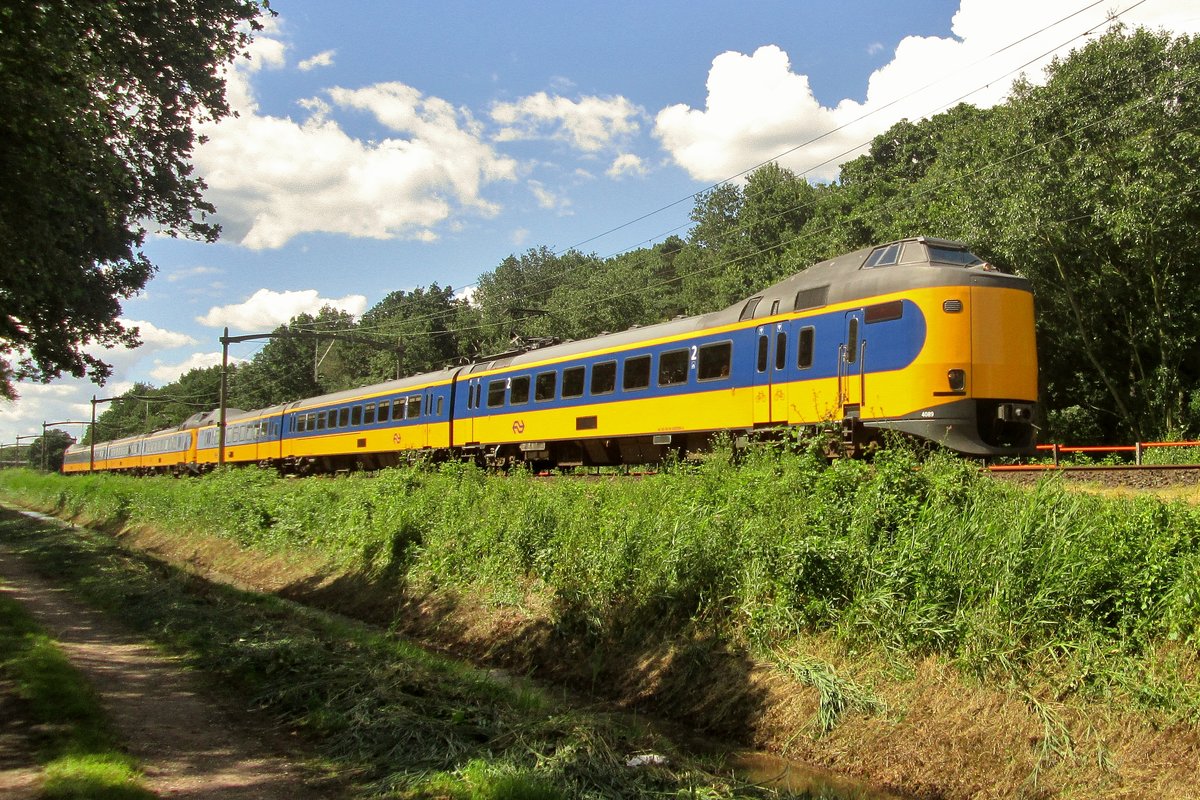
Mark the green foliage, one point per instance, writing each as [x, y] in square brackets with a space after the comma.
[54, 444]
[911, 554]
[399, 721]
[100, 101]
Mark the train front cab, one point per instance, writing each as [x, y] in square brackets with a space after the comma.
[973, 385]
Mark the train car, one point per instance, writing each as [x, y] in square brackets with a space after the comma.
[169, 451]
[369, 428]
[251, 437]
[917, 336]
[77, 458]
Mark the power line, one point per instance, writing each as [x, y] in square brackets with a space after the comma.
[546, 280]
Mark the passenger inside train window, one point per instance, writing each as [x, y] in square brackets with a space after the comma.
[544, 386]
[673, 368]
[715, 361]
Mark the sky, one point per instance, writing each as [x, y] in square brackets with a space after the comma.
[382, 146]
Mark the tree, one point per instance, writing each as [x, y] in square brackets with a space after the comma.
[100, 100]
[290, 367]
[419, 323]
[55, 443]
[1090, 185]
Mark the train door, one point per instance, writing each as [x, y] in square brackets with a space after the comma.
[770, 371]
[464, 427]
[852, 352]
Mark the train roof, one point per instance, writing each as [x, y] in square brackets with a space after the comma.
[837, 280]
[389, 387]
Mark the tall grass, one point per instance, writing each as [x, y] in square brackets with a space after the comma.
[911, 555]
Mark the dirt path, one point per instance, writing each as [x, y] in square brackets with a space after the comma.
[189, 744]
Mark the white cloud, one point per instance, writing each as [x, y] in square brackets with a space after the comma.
[266, 309]
[757, 109]
[467, 293]
[519, 236]
[627, 164]
[273, 178]
[322, 59]
[192, 272]
[547, 199]
[590, 124]
[166, 373]
[156, 338]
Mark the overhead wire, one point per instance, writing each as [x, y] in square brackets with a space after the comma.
[532, 288]
[440, 315]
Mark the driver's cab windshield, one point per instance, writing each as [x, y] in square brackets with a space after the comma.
[918, 252]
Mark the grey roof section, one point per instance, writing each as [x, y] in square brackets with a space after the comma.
[397, 387]
[844, 276]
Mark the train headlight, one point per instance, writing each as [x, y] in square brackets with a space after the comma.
[958, 379]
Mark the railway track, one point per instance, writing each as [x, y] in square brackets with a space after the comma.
[1134, 476]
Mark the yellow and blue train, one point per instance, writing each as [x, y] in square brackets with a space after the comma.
[918, 336]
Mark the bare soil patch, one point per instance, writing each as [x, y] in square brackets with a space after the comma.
[190, 741]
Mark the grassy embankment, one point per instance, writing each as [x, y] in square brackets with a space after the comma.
[1053, 595]
[81, 758]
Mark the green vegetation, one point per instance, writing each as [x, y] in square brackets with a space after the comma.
[100, 102]
[904, 557]
[393, 720]
[81, 757]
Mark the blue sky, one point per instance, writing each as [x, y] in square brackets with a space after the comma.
[384, 145]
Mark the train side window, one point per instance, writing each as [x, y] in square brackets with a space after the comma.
[478, 394]
[780, 350]
[414, 406]
[572, 382]
[637, 373]
[369, 414]
[518, 390]
[496, 392]
[749, 308]
[311, 423]
[715, 361]
[764, 342]
[398, 408]
[439, 406]
[673, 368]
[545, 386]
[383, 413]
[320, 420]
[356, 415]
[852, 341]
[343, 417]
[884, 312]
[804, 358]
[604, 377]
[298, 423]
